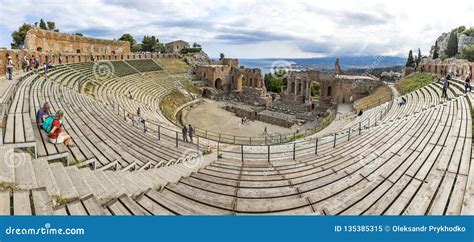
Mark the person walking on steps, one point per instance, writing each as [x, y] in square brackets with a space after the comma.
[445, 87]
[190, 132]
[467, 84]
[185, 133]
[10, 68]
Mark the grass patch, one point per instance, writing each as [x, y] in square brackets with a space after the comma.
[173, 66]
[171, 102]
[380, 95]
[61, 200]
[414, 81]
[89, 89]
[7, 186]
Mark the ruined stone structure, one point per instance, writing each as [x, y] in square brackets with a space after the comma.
[337, 67]
[457, 67]
[176, 46]
[59, 48]
[332, 88]
[54, 42]
[245, 84]
[66, 58]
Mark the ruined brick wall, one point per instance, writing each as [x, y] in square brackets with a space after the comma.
[53, 58]
[216, 75]
[332, 88]
[54, 42]
[176, 46]
[460, 68]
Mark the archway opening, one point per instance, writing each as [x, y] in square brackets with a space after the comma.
[218, 84]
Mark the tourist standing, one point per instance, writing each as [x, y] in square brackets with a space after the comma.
[190, 132]
[185, 133]
[445, 87]
[138, 112]
[10, 68]
[32, 62]
[24, 63]
[467, 83]
[60, 59]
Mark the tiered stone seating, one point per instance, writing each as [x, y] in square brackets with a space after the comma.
[60, 184]
[409, 159]
[122, 69]
[144, 65]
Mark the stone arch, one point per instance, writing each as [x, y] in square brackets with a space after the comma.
[218, 84]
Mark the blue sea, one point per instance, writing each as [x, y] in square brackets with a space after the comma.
[326, 63]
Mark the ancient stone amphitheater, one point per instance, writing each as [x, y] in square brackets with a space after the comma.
[415, 160]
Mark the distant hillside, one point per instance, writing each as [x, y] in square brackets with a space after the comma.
[458, 43]
[327, 63]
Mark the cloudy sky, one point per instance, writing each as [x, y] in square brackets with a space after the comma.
[254, 28]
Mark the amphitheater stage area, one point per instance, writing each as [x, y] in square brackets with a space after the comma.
[212, 117]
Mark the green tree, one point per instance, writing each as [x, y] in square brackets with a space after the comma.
[196, 45]
[468, 52]
[79, 34]
[221, 56]
[136, 47]
[51, 25]
[435, 50]
[151, 44]
[410, 60]
[42, 25]
[452, 47]
[419, 57]
[129, 38]
[19, 36]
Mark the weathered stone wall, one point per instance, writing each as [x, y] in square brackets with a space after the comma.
[17, 55]
[457, 67]
[54, 42]
[332, 88]
[176, 46]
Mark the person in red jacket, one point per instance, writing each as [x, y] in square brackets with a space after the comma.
[56, 136]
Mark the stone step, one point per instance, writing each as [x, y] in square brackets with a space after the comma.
[76, 208]
[80, 182]
[21, 202]
[121, 189]
[132, 206]
[93, 206]
[5, 202]
[44, 176]
[7, 169]
[131, 187]
[24, 172]
[95, 184]
[111, 188]
[65, 185]
[138, 180]
[41, 202]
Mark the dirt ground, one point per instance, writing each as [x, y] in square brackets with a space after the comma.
[213, 118]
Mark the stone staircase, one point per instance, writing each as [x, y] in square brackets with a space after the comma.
[54, 184]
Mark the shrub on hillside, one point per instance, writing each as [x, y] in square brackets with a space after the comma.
[468, 52]
[414, 81]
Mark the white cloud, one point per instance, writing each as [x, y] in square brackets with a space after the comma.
[250, 28]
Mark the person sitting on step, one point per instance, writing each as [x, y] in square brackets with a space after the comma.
[55, 135]
[42, 114]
